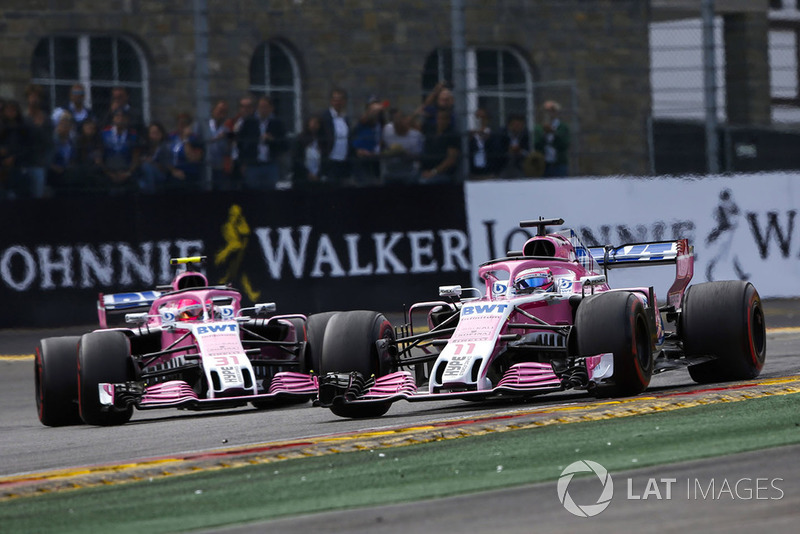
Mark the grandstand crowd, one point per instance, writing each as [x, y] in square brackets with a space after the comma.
[71, 150]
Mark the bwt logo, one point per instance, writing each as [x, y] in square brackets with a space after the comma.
[586, 510]
[484, 308]
[216, 328]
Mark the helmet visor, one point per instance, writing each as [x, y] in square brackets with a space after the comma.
[532, 282]
[190, 311]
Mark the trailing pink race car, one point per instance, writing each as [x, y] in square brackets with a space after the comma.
[193, 347]
[546, 321]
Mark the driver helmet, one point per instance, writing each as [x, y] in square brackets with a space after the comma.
[531, 280]
[189, 310]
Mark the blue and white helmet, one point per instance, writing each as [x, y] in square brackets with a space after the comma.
[530, 280]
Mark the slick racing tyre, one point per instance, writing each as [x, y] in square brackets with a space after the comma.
[56, 381]
[616, 322]
[299, 335]
[103, 357]
[312, 332]
[315, 335]
[350, 345]
[725, 320]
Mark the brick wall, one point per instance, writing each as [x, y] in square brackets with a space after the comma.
[372, 47]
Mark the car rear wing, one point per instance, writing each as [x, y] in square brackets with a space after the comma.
[658, 252]
[117, 304]
[652, 253]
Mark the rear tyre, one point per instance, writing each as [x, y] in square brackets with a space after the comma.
[56, 379]
[103, 357]
[309, 361]
[350, 345]
[616, 322]
[725, 320]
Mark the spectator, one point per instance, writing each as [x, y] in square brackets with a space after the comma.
[552, 138]
[366, 144]
[440, 98]
[403, 144]
[513, 146]
[482, 148]
[89, 158]
[261, 140]
[76, 107]
[37, 157]
[121, 154]
[247, 107]
[441, 151]
[156, 159]
[307, 156]
[334, 139]
[186, 170]
[121, 101]
[14, 142]
[61, 172]
[189, 173]
[184, 128]
[219, 147]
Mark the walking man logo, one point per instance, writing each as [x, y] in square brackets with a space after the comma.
[585, 510]
[236, 233]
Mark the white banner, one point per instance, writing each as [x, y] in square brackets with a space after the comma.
[741, 227]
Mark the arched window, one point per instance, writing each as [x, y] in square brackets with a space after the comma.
[498, 80]
[99, 63]
[274, 72]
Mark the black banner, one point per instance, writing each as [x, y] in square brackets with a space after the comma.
[375, 248]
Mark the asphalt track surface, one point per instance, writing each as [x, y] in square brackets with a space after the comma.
[28, 447]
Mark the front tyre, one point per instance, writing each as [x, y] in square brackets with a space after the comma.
[358, 341]
[724, 320]
[103, 357]
[315, 336]
[56, 381]
[615, 322]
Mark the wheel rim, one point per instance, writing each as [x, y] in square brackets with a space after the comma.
[388, 335]
[758, 336]
[642, 345]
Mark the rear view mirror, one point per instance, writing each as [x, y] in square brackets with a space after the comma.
[136, 318]
[450, 291]
[593, 280]
[264, 308]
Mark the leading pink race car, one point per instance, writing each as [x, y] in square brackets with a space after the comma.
[546, 320]
[193, 347]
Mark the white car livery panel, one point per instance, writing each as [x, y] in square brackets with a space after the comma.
[225, 363]
[471, 348]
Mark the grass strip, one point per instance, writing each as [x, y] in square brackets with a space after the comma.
[380, 476]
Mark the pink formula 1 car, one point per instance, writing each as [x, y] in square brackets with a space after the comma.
[194, 348]
[546, 321]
